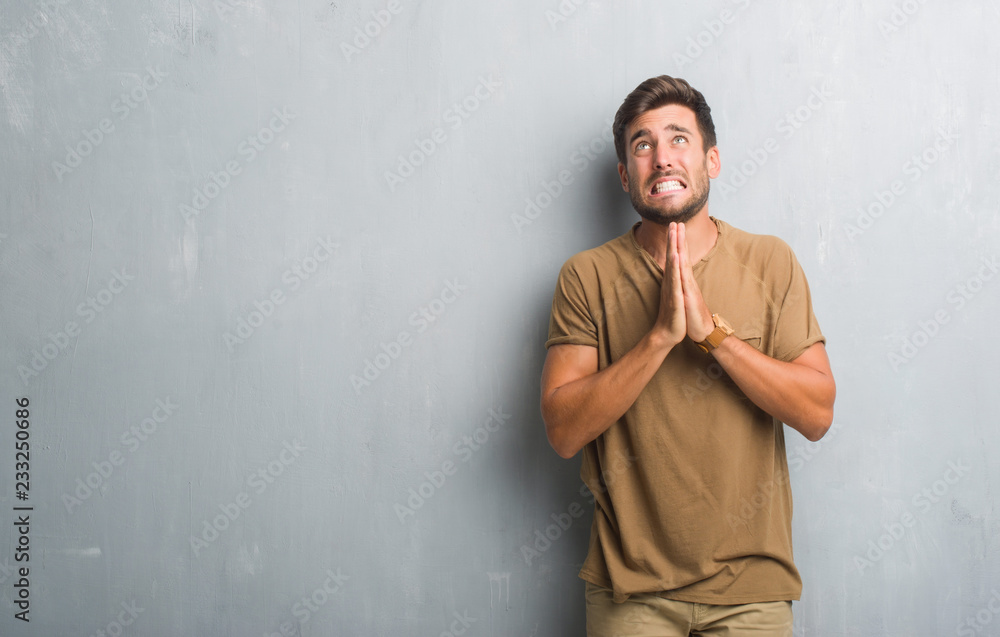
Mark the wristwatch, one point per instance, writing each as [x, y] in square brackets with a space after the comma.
[721, 331]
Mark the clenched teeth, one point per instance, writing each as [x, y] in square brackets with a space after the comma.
[666, 186]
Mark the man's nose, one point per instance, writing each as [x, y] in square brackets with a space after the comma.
[663, 158]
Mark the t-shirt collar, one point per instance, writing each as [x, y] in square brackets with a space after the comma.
[648, 257]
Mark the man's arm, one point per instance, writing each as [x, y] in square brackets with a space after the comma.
[799, 393]
[579, 402]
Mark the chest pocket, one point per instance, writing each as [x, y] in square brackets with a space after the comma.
[754, 341]
[751, 331]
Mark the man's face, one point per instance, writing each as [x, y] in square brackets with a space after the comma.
[667, 171]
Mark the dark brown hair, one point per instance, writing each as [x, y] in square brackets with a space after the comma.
[661, 91]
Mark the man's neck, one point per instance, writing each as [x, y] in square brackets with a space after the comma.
[701, 234]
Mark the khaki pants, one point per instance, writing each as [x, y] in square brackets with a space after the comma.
[648, 615]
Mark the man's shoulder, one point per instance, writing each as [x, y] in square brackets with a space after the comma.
[750, 248]
[610, 255]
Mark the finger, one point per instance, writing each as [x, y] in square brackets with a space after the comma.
[676, 271]
[671, 240]
[687, 276]
[682, 247]
[679, 241]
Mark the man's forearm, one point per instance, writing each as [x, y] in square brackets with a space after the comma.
[796, 394]
[582, 410]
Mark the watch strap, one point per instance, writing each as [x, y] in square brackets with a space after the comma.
[721, 331]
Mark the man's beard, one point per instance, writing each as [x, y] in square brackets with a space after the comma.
[658, 216]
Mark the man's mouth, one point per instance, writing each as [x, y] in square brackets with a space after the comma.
[667, 185]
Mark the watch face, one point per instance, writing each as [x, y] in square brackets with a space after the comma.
[723, 324]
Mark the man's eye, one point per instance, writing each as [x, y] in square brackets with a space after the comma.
[641, 144]
[680, 137]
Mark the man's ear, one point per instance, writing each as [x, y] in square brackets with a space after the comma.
[714, 162]
[623, 173]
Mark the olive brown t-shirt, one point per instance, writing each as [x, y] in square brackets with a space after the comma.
[692, 498]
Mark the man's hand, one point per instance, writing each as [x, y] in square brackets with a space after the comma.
[799, 393]
[698, 318]
[671, 323]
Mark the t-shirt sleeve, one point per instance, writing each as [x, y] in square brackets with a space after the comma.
[572, 322]
[796, 327]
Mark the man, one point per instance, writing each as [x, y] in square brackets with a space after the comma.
[675, 353]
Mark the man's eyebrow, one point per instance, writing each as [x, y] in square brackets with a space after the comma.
[636, 135]
[645, 131]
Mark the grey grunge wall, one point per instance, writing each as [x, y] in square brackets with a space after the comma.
[276, 279]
